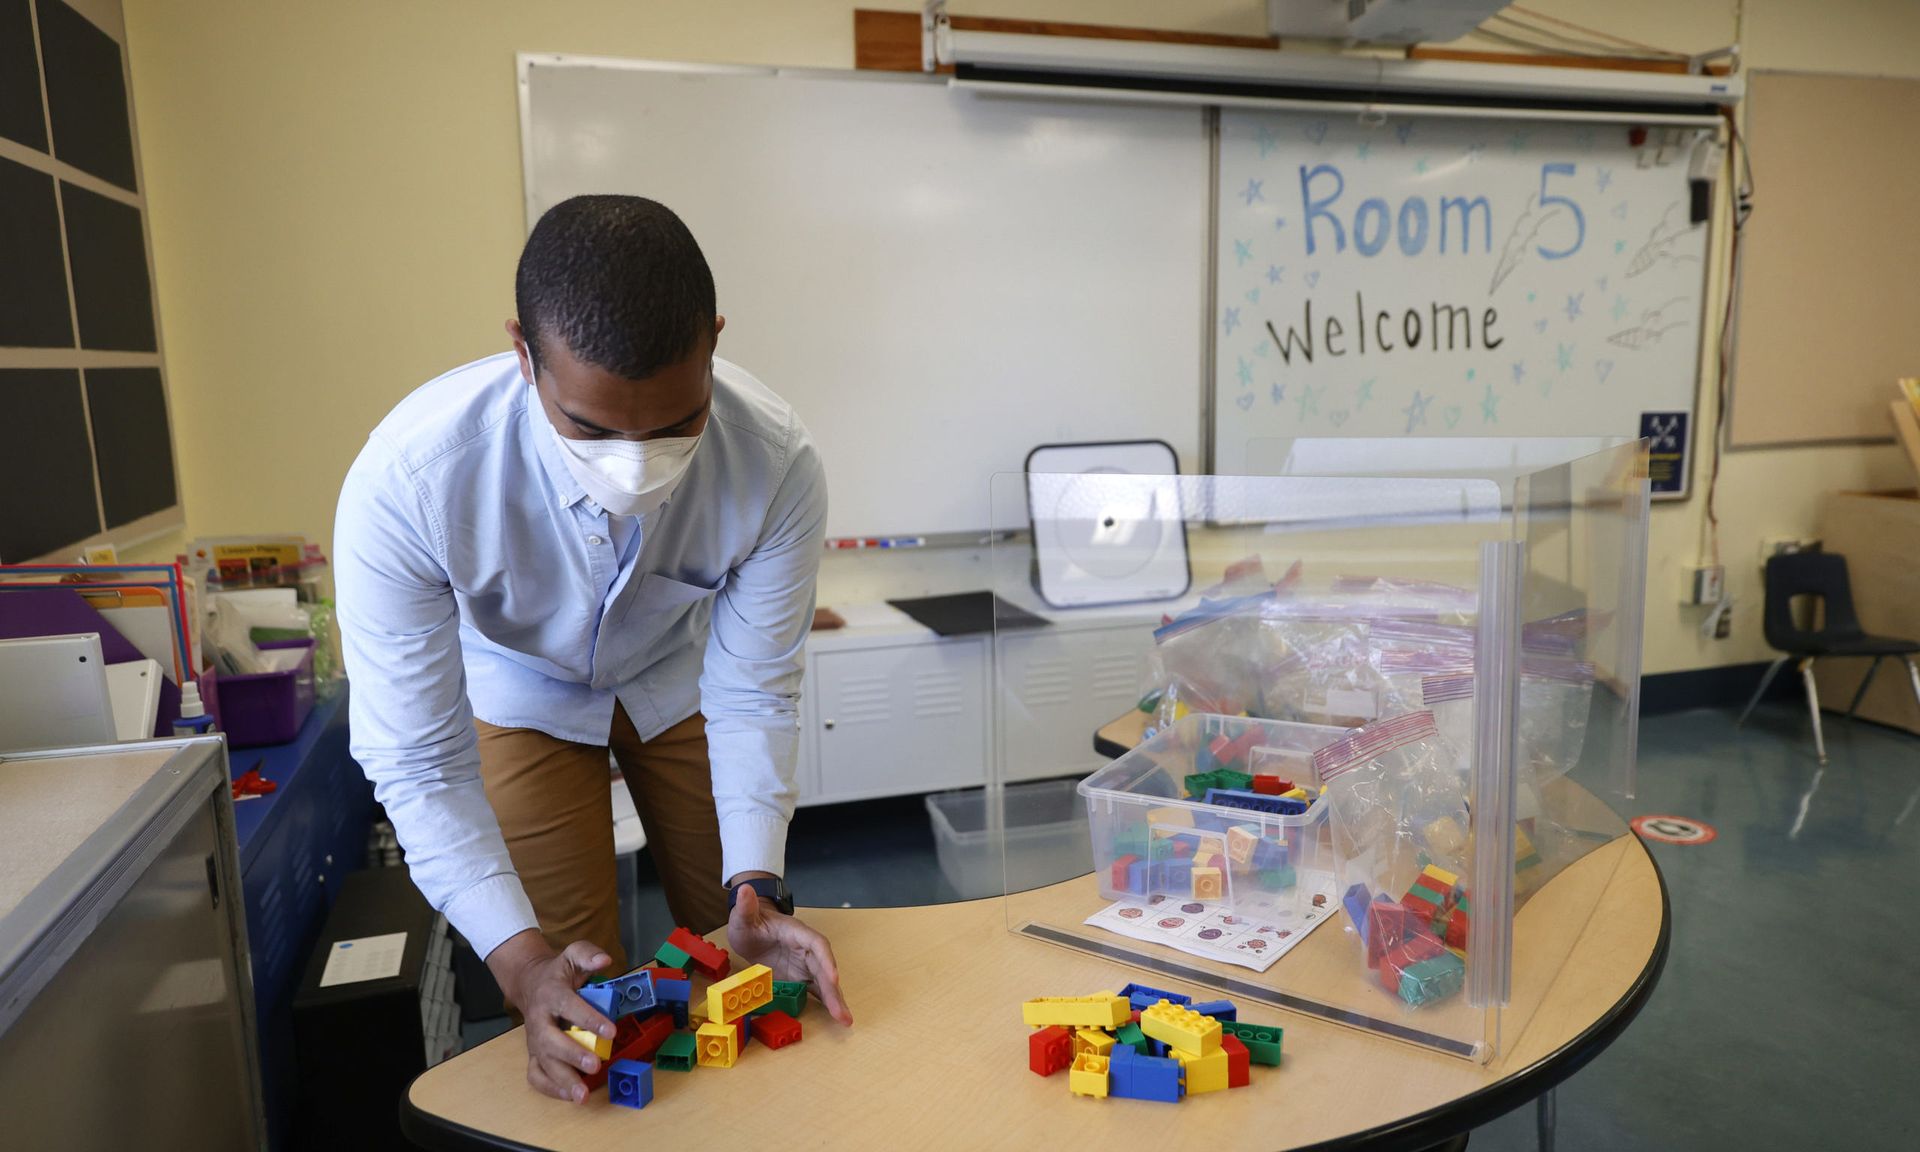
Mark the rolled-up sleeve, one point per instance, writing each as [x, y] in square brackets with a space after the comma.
[750, 687]
[412, 727]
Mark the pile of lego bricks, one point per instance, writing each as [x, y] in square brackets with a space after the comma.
[1417, 943]
[1144, 1043]
[659, 1024]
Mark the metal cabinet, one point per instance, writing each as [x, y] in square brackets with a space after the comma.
[909, 715]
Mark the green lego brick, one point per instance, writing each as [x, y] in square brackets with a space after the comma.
[789, 997]
[1262, 1040]
[672, 957]
[1130, 1035]
[1237, 781]
[1431, 980]
[678, 1053]
[1437, 899]
[1150, 702]
[1278, 879]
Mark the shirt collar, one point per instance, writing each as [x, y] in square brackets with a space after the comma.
[540, 429]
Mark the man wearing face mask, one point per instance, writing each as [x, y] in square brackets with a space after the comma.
[604, 540]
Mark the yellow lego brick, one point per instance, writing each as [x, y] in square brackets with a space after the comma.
[1203, 1073]
[739, 994]
[719, 1045]
[1295, 794]
[1207, 884]
[1180, 710]
[1088, 1076]
[1169, 815]
[1092, 1040]
[696, 1014]
[1103, 1011]
[1210, 846]
[1182, 1028]
[1445, 881]
[601, 1046]
[1445, 836]
[1240, 843]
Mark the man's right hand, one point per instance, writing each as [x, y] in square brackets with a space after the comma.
[544, 986]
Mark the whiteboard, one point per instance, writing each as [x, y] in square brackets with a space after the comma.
[937, 281]
[1562, 278]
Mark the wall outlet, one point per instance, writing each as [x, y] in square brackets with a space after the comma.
[1706, 584]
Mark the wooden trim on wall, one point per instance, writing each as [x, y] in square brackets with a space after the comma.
[1542, 60]
[890, 41]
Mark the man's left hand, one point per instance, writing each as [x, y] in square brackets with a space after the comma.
[759, 933]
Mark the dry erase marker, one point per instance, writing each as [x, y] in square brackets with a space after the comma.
[904, 542]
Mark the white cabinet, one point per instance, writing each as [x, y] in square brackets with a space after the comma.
[891, 709]
[1055, 686]
[900, 715]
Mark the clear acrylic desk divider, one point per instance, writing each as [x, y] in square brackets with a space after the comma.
[1438, 669]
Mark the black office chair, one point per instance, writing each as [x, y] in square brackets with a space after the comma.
[1822, 574]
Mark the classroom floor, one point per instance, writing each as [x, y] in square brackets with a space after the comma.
[1789, 1008]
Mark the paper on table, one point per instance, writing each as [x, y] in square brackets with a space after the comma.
[1200, 928]
[367, 958]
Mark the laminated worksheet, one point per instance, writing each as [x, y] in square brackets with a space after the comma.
[1249, 938]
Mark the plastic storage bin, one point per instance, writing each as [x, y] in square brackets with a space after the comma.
[1150, 839]
[266, 707]
[1046, 841]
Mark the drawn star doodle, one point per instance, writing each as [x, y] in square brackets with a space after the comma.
[1416, 410]
[1279, 393]
[1364, 393]
[1361, 149]
[1232, 320]
[1659, 244]
[1619, 308]
[1274, 273]
[1602, 177]
[1245, 372]
[1564, 354]
[1403, 130]
[1309, 400]
[1574, 300]
[1519, 371]
[1490, 407]
[1269, 140]
[1242, 251]
[1253, 192]
[1654, 323]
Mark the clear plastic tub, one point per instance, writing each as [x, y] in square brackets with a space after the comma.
[1152, 838]
[1046, 842]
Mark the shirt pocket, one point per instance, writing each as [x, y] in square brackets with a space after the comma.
[664, 616]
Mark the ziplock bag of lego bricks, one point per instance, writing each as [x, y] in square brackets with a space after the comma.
[1399, 819]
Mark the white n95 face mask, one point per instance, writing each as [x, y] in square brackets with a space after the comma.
[627, 477]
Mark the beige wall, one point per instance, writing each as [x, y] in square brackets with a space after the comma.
[335, 200]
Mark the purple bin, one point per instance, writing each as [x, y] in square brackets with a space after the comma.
[265, 707]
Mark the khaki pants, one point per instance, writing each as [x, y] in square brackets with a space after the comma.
[552, 801]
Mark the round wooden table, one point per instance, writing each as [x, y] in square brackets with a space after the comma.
[938, 1055]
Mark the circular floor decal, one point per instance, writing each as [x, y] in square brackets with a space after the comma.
[1673, 830]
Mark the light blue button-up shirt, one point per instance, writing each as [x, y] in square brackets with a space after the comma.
[476, 578]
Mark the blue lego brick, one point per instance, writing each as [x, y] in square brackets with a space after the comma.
[1156, 1047]
[1211, 822]
[630, 1083]
[1355, 902]
[1136, 1077]
[670, 989]
[1173, 876]
[632, 993]
[1140, 997]
[1218, 1009]
[1269, 854]
[602, 997]
[679, 1010]
[1137, 878]
[1255, 802]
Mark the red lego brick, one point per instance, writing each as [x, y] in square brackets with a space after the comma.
[1182, 848]
[1120, 867]
[1423, 902]
[1271, 785]
[1136, 1015]
[1050, 1050]
[1457, 928]
[1389, 924]
[660, 973]
[776, 1029]
[1239, 1062]
[708, 960]
[743, 1031]
[634, 1038]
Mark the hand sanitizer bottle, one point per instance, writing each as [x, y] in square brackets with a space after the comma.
[193, 719]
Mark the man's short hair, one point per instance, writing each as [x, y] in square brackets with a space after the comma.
[619, 281]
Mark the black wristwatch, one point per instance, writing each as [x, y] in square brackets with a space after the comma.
[769, 888]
